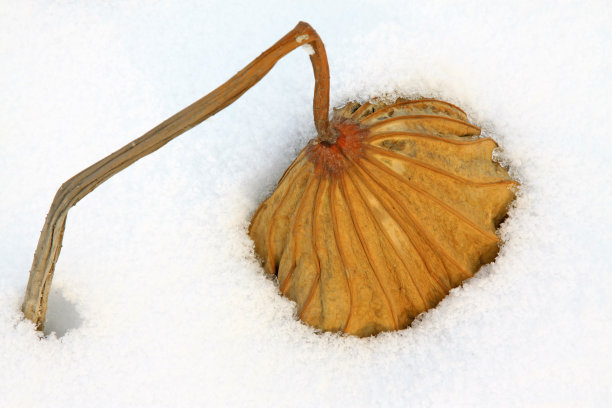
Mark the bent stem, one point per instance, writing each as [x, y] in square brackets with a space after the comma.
[72, 191]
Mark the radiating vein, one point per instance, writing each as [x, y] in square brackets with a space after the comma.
[431, 241]
[378, 136]
[269, 237]
[365, 249]
[332, 205]
[414, 102]
[315, 208]
[436, 248]
[401, 258]
[360, 110]
[261, 207]
[419, 163]
[419, 117]
[292, 228]
[434, 198]
[443, 286]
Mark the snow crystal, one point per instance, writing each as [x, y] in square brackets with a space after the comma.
[157, 298]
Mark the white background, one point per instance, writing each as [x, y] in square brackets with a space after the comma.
[157, 298]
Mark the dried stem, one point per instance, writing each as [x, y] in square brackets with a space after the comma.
[50, 241]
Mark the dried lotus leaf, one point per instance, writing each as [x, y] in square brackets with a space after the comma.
[367, 233]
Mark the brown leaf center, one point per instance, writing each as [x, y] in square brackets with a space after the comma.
[334, 158]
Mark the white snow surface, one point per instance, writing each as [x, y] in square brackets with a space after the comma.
[158, 300]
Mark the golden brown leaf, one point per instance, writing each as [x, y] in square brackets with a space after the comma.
[367, 233]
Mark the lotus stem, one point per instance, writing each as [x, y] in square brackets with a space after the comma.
[72, 191]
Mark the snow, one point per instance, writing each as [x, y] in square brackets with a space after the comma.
[157, 299]
[308, 48]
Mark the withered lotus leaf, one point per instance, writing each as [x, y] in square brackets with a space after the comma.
[367, 233]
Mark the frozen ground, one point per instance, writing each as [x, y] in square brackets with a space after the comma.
[157, 300]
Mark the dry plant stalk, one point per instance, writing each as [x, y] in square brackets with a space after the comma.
[72, 191]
